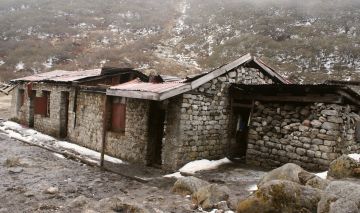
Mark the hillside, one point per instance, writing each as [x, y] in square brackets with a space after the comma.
[307, 42]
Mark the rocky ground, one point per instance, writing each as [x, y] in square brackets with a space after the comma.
[37, 180]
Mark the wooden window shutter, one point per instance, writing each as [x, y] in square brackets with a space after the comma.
[42, 104]
[118, 117]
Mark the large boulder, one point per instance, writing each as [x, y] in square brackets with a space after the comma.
[288, 172]
[210, 196]
[188, 185]
[294, 173]
[340, 197]
[281, 196]
[344, 167]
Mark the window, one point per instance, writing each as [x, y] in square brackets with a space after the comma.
[42, 104]
[118, 115]
[20, 99]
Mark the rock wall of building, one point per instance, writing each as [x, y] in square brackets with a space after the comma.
[85, 125]
[48, 125]
[203, 119]
[309, 135]
[132, 144]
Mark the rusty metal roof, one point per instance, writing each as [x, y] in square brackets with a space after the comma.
[138, 85]
[144, 90]
[61, 76]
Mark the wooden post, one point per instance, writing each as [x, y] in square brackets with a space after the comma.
[103, 142]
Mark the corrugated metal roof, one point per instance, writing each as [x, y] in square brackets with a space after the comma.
[138, 85]
[61, 76]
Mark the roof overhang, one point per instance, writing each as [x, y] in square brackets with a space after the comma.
[295, 93]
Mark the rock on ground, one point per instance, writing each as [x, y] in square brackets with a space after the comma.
[294, 173]
[340, 197]
[281, 196]
[344, 167]
[117, 204]
[188, 185]
[210, 196]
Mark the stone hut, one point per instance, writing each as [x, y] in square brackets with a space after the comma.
[48, 102]
[183, 119]
[167, 121]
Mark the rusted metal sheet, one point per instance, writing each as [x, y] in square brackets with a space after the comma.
[61, 76]
[137, 85]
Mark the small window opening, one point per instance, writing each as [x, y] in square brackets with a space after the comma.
[118, 115]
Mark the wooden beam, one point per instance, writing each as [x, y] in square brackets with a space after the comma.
[307, 98]
[134, 94]
[346, 95]
[104, 130]
[174, 92]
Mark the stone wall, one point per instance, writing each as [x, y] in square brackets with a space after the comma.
[85, 125]
[309, 135]
[203, 119]
[48, 125]
[88, 129]
[132, 144]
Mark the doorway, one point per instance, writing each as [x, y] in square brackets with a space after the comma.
[157, 114]
[64, 108]
[31, 120]
[241, 116]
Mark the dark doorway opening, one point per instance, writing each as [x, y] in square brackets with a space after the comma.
[241, 116]
[156, 133]
[31, 120]
[64, 108]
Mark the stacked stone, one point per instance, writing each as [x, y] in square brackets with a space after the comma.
[85, 126]
[206, 116]
[308, 135]
[132, 144]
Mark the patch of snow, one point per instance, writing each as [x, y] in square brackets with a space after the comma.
[204, 164]
[16, 131]
[252, 188]
[19, 66]
[322, 175]
[105, 40]
[49, 62]
[87, 152]
[104, 61]
[59, 155]
[355, 156]
[2, 62]
[144, 67]
[175, 175]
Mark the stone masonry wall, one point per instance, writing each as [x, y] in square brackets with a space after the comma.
[204, 119]
[309, 135]
[48, 125]
[132, 144]
[85, 127]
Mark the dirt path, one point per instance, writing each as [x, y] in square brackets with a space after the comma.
[23, 185]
